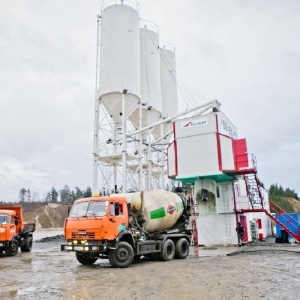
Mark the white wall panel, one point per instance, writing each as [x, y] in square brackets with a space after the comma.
[227, 153]
[197, 156]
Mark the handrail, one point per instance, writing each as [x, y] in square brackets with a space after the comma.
[247, 158]
[275, 207]
[295, 235]
[167, 46]
[144, 24]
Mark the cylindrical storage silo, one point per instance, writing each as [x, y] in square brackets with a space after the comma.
[168, 83]
[150, 75]
[119, 57]
[160, 209]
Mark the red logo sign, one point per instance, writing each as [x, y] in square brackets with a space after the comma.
[187, 124]
[171, 209]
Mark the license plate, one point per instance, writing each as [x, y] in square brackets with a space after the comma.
[78, 248]
[68, 248]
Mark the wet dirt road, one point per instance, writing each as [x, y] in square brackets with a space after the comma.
[268, 272]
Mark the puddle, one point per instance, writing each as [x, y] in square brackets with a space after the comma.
[37, 290]
[9, 295]
[207, 251]
[26, 260]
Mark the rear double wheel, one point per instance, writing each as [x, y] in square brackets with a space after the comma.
[168, 250]
[182, 248]
[27, 244]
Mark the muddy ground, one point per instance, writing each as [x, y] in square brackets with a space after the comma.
[263, 270]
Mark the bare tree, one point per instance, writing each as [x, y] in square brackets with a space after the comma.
[28, 195]
[22, 194]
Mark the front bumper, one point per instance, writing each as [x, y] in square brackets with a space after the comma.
[95, 247]
[4, 245]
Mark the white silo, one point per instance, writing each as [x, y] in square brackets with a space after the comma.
[119, 57]
[150, 76]
[168, 83]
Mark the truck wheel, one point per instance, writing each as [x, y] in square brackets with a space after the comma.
[182, 248]
[168, 250]
[121, 257]
[85, 259]
[28, 245]
[13, 248]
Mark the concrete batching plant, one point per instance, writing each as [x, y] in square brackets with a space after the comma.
[142, 142]
[136, 101]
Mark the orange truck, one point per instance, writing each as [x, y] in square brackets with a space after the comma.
[124, 227]
[14, 232]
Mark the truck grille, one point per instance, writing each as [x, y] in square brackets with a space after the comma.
[83, 234]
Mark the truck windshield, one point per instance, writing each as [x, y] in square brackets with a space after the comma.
[4, 219]
[88, 209]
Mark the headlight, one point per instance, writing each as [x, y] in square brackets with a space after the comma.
[86, 248]
[74, 242]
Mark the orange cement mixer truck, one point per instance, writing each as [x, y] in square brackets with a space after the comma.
[14, 232]
[124, 227]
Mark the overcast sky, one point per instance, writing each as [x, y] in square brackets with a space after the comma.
[245, 53]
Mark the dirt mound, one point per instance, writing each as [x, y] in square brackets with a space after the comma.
[296, 204]
[51, 215]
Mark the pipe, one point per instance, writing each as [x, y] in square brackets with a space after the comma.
[210, 104]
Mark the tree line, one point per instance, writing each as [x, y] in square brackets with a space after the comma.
[68, 196]
[276, 190]
[279, 195]
[64, 195]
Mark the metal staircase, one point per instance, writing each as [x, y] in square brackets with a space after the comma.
[258, 205]
[255, 196]
[289, 219]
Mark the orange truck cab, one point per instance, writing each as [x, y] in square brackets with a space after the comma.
[105, 227]
[14, 233]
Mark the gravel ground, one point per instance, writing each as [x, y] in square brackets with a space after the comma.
[262, 270]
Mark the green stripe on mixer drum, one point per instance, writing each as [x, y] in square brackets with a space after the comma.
[158, 213]
[179, 206]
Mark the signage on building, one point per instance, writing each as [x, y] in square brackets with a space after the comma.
[226, 127]
[194, 123]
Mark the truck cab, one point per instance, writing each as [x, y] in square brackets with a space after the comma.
[14, 233]
[96, 218]
[8, 224]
